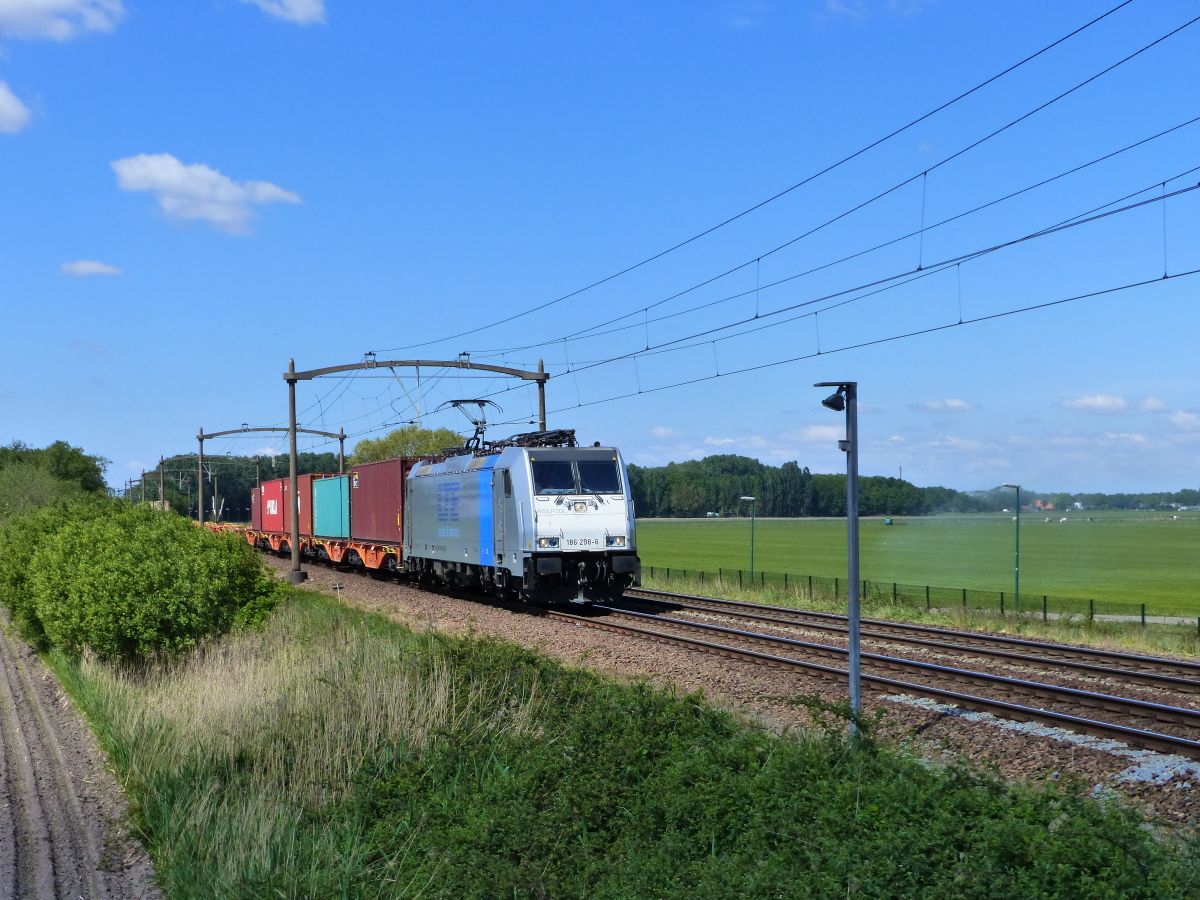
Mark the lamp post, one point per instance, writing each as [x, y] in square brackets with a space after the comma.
[1017, 554]
[845, 397]
[751, 500]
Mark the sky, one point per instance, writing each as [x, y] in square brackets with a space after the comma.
[665, 202]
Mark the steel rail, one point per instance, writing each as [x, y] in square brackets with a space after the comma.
[1124, 705]
[1145, 738]
[1149, 664]
[1153, 679]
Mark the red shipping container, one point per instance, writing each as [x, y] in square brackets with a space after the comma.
[255, 510]
[377, 500]
[304, 489]
[270, 501]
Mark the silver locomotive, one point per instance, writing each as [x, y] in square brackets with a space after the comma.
[533, 517]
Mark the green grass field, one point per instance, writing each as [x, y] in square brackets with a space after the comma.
[1120, 559]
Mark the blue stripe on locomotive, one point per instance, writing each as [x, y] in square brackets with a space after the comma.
[487, 531]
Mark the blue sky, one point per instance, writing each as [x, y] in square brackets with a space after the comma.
[193, 193]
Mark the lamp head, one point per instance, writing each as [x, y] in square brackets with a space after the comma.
[835, 401]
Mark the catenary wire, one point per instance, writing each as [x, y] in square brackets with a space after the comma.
[808, 179]
[591, 331]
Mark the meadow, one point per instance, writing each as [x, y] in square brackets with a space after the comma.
[1122, 559]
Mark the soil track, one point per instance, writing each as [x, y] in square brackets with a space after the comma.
[62, 815]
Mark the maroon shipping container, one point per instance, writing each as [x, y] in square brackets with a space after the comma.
[270, 499]
[377, 500]
[304, 489]
[255, 510]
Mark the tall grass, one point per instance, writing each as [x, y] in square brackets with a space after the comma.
[231, 750]
[337, 754]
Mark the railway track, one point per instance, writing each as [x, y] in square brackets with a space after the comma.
[1154, 726]
[1170, 674]
[1135, 722]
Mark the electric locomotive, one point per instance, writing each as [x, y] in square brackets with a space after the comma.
[533, 517]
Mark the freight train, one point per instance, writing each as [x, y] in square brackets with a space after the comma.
[533, 517]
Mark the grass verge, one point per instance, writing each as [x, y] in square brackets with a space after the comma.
[336, 753]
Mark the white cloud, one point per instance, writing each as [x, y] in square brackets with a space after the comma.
[814, 433]
[1127, 437]
[1152, 404]
[719, 442]
[82, 268]
[662, 431]
[950, 404]
[956, 444]
[302, 12]
[14, 115]
[196, 191]
[744, 14]
[1187, 421]
[848, 10]
[1100, 403]
[58, 20]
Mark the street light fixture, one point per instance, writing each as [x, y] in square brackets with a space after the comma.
[1017, 557]
[751, 500]
[845, 398]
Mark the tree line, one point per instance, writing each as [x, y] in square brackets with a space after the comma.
[716, 484]
[32, 477]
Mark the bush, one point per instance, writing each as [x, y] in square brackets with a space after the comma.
[20, 538]
[138, 582]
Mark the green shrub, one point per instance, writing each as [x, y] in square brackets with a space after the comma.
[20, 537]
[139, 583]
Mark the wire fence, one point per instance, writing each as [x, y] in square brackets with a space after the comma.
[924, 596]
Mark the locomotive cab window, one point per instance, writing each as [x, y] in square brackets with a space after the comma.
[599, 476]
[581, 476]
[553, 477]
[507, 483]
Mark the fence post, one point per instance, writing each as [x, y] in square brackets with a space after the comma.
[893, 592]
[1143, 615]
[702, 576]
[652, 571]
[864, 590]
[927, 597]
[1045, 617]
[785, 581]
[809, 587]
[964, 590]
[739, 579]
[668, 573]
[764, 578]
[1002, 603]
[836, 587]
[1091, 609]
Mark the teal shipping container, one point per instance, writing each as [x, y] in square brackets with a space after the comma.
[331, 507]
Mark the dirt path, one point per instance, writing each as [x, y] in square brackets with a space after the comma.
[62, 815]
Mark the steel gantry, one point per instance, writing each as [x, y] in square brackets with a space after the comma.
[291, 376]
[201, 436]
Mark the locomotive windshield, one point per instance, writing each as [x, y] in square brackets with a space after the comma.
[599, 476]
[554, 477]
[584, 476]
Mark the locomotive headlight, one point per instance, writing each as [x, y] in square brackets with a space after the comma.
[545, 543]
[615, 540]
